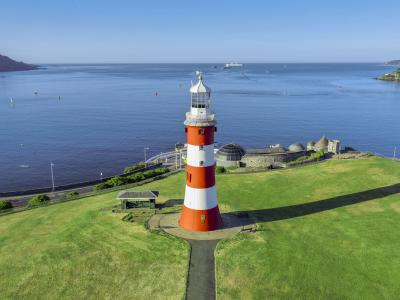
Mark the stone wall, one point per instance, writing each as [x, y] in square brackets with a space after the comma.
[267, 160]
[227, 163]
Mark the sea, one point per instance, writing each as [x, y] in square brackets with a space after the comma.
[92, 120]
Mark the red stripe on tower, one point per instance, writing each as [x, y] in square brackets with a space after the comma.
[200, 208]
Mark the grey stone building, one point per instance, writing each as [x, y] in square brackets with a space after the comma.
[233, 155]
[229, 155]
[272, 156]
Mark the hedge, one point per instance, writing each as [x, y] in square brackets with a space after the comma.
[119, 180]
[134, 167]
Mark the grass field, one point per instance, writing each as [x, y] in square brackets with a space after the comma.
[319, 250]
[76, 250]
[312, 245]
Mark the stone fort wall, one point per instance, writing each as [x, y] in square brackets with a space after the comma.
[267, 160]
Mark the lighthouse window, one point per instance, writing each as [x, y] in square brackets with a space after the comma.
[201, 163]
[202, 131]
[201, 147]
[190, 177]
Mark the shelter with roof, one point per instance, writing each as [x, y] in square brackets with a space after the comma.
[135, 199]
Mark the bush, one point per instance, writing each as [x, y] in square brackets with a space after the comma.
[318, 155]
[134, 167]
[116, 181]
[139, 176]
[299, 160]
[38, 200]
[135, 177]
[4, 204]
[72, 195]
[220, 170]
[101, 186]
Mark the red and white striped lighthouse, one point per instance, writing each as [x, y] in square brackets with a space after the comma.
[200, 210]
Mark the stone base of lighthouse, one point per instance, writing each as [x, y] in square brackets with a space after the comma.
[200, 220]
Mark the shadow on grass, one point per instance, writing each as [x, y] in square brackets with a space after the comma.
[170, 203]
[287, 212]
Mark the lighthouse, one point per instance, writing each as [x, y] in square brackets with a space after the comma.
[200, 210]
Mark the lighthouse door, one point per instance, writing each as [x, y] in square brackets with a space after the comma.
[203, 218]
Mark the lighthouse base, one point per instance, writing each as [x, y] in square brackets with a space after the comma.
[200, 220]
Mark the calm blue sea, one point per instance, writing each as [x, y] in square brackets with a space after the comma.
[107, 114]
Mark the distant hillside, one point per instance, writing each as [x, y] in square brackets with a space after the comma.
[8, 65]
[393, 62]
[394, 76]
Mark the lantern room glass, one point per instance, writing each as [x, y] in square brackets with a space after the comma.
[201, 100]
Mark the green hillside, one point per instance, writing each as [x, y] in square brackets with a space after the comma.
[333, 233]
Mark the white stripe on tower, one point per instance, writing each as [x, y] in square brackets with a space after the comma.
[200, 199]
[195, 155]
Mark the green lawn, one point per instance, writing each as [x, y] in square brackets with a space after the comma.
[74, 250]
[349, 252]
[318, 250]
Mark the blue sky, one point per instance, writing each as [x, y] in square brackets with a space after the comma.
[44, 31]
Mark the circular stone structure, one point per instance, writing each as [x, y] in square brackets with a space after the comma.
[296, 147]
[229, 155]
[231, 226]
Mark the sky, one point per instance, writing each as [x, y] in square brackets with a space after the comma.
[118, 31]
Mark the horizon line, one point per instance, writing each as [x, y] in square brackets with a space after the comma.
[211, 62]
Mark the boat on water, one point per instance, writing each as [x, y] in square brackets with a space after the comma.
[232, 65]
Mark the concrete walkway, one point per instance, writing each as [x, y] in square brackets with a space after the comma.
[201, 280]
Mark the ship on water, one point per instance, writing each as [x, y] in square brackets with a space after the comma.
[232, 65]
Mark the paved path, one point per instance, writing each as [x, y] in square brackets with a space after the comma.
[201, 281]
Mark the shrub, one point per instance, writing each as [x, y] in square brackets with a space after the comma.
[149, 174]
[220, 170]
[38, 200]
[317, 155]
[101, 186]
[134, 167]
[4, 204]
[72, 195]
[299, 160]
[135, 177]
[116, 181]
[139, 176]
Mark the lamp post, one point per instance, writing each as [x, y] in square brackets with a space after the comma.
[145, 156]
[52, 175]
[101, 175]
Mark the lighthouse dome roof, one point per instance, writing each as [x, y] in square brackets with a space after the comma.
[200, 87]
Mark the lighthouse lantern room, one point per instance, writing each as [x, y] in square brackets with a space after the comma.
[200, 210]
